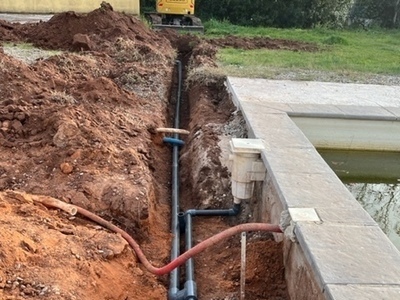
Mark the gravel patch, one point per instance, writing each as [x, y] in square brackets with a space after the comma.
[27, 53]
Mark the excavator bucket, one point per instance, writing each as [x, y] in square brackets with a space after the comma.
[186, 23]
[183, 28]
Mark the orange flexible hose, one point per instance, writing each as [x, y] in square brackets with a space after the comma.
[180, 259]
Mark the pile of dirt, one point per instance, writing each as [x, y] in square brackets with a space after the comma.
[6, 31]
[80, 127]
[45, 255]
[92, 31]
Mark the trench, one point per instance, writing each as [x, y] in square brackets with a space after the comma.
[207, 112]
[209, 115]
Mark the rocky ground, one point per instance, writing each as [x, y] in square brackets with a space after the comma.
[78, 117]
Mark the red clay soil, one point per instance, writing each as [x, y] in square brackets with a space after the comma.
[80, 126]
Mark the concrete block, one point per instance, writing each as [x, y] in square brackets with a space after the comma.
[288, 159]
[304, 215]
[313, 190]
[346, 215]
[362, 292]
[343, 254]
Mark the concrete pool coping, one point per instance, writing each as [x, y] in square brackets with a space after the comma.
[345, 254]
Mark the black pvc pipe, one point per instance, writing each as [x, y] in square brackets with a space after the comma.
[234, 211]
[175, 229]
[190, 284]
[183, 222]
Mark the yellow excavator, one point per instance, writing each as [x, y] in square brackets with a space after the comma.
[175, 14]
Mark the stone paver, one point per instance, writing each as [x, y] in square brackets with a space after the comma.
[365, 292]
[344, 254]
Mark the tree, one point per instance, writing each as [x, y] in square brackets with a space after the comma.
[279, 13]
[147, 6]
[383, 12]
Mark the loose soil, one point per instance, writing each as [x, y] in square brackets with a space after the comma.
[80, 126]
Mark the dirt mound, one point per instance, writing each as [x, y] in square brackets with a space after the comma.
[250, 43]
[47, 256]
[80, 127]
[73, 31]
[6, 31]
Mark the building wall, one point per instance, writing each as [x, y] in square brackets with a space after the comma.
[56, 6]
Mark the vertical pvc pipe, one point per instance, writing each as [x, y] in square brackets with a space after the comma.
[190, 284]
[175, 230]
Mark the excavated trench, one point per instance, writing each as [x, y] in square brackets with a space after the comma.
[208, 113]
[82, 129]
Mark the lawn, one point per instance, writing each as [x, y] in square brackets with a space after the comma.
[373, 51]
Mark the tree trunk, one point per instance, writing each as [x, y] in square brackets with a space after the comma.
[396, 10]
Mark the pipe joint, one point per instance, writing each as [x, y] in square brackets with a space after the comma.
[176, 294]
[192, 212]
[173, 141]
[190, 290]
[235, 209]
[181, 222]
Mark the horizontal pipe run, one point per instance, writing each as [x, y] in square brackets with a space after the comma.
[215, 212]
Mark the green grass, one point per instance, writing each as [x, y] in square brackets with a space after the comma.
[25, 46]
[28, 47]
[375, 51]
